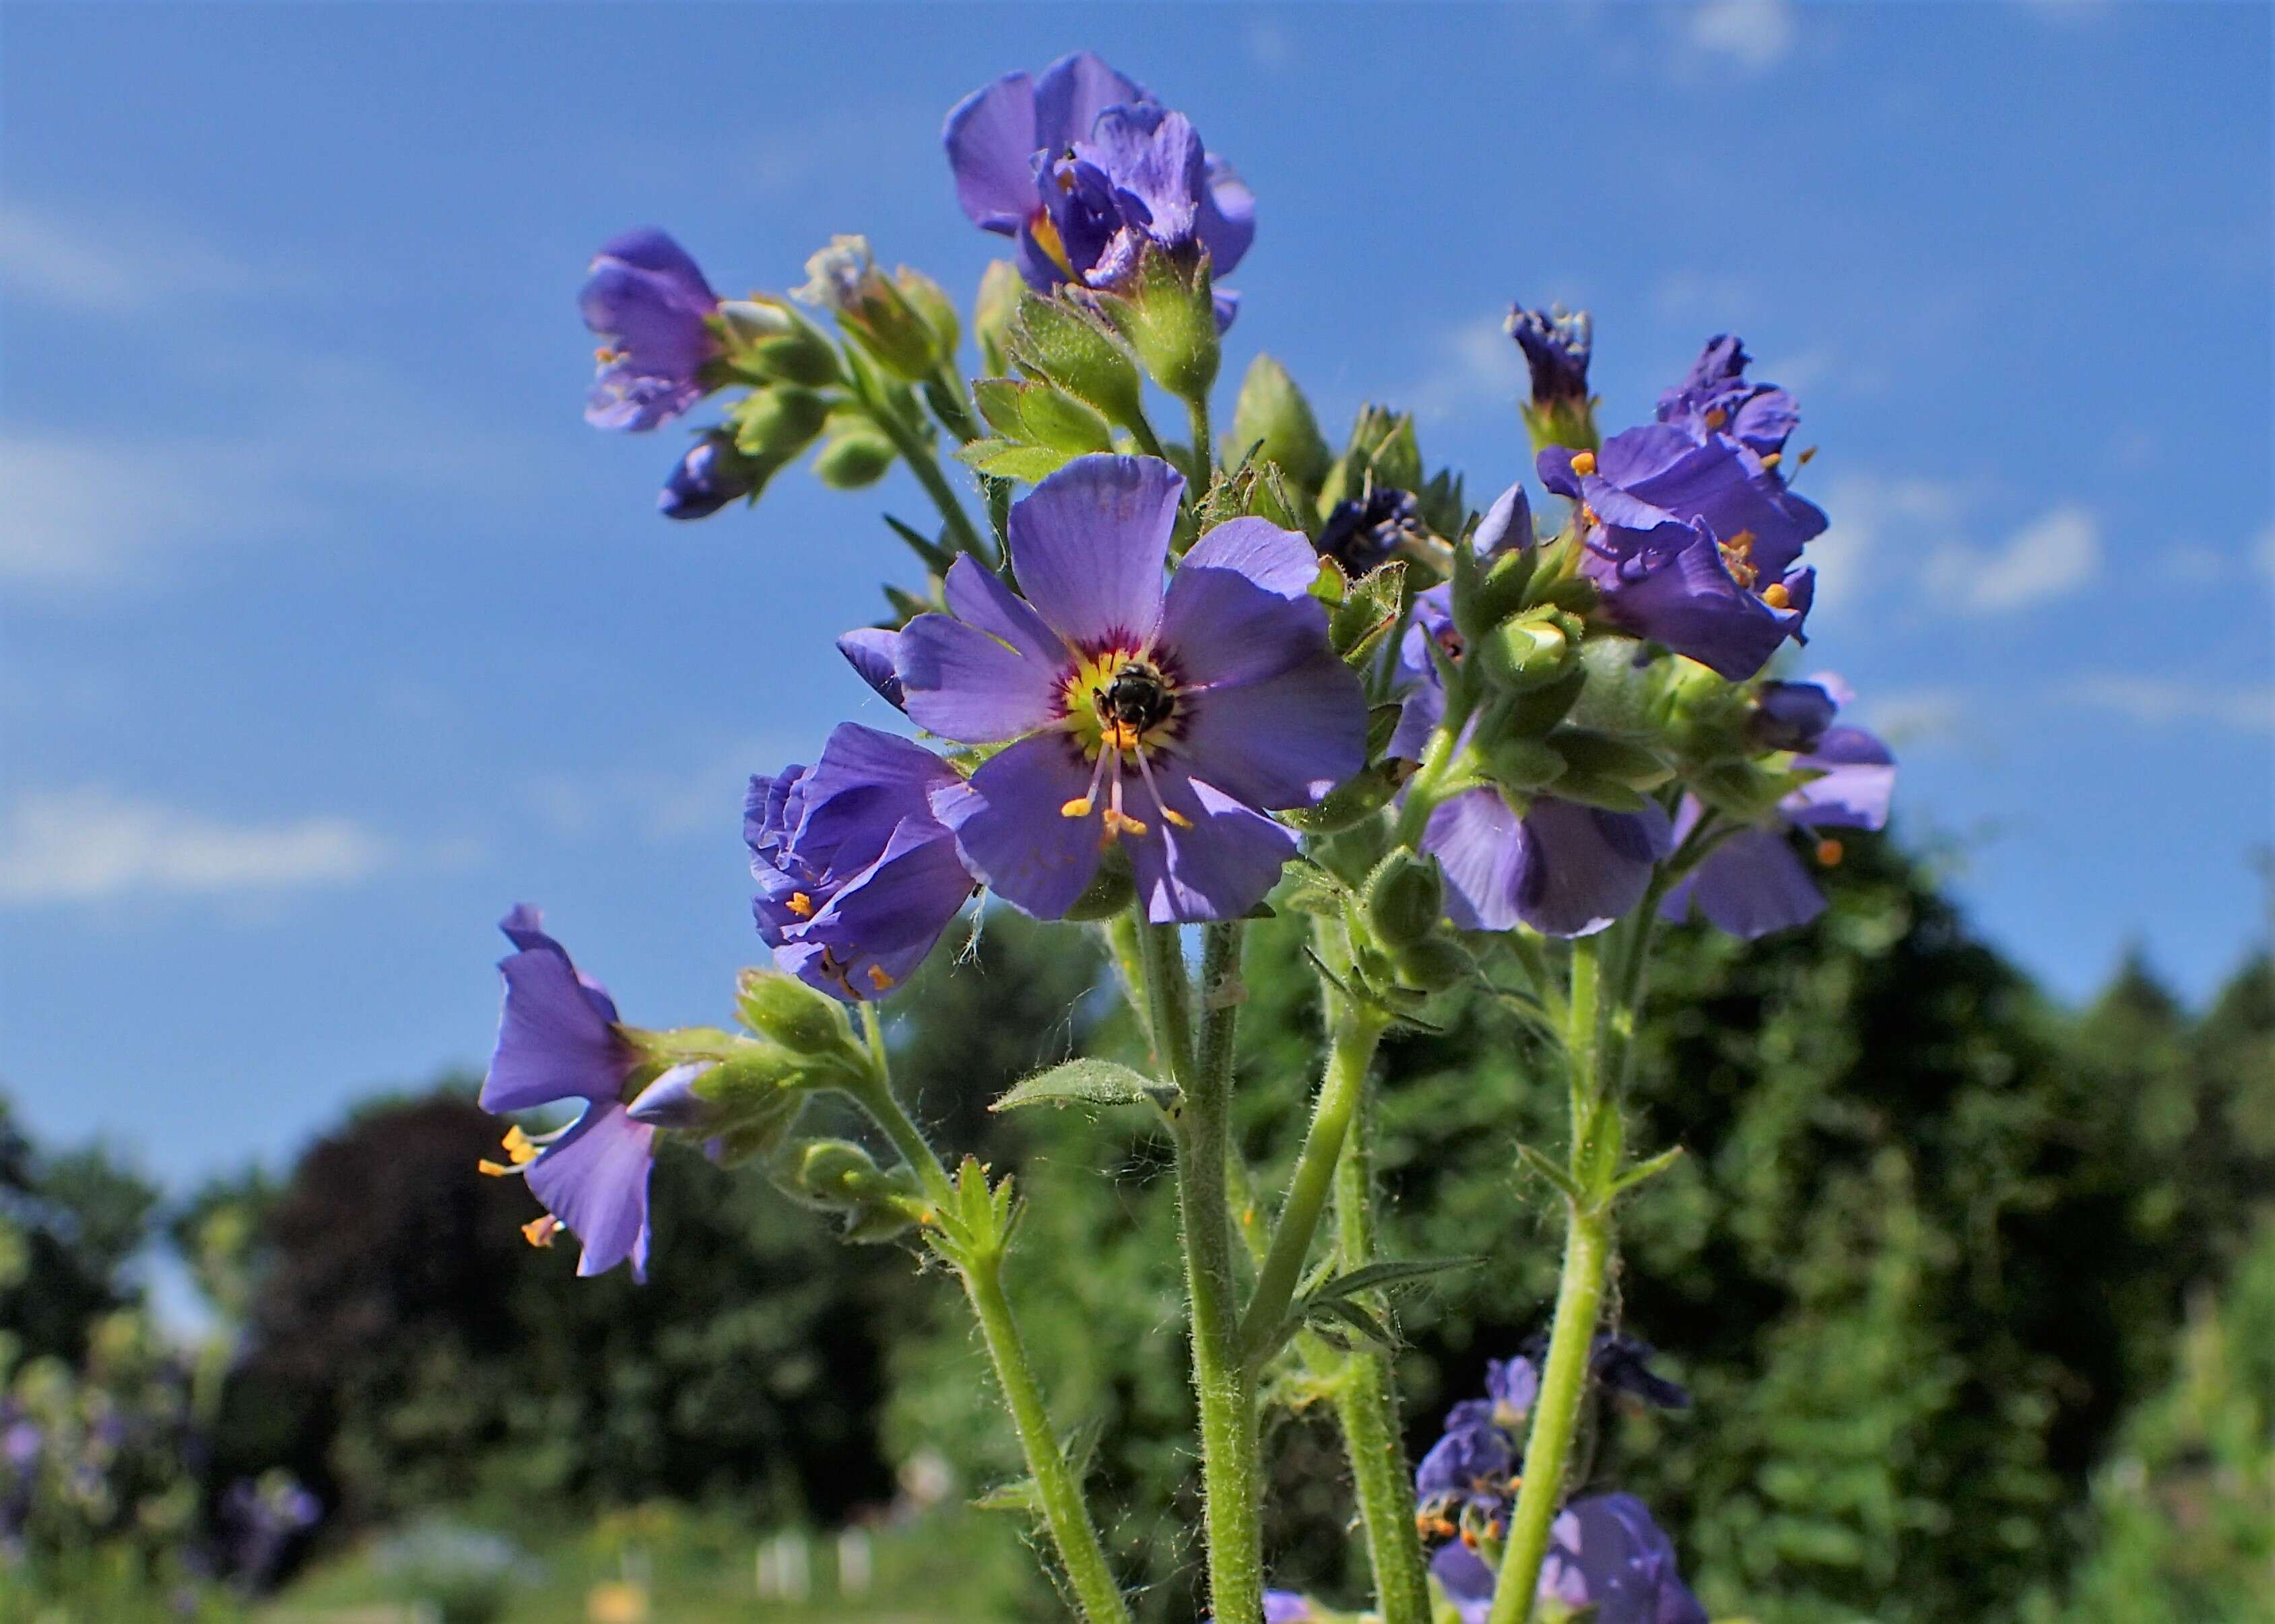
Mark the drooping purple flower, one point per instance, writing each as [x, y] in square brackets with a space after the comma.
[1556, 344]
[1084, 168]
[559, 1039]
[712, 474]
[1561, 868]
[1361, 536]
[1715, 398]
[1171, 721]
[1751, 882]
[1604, 1552]
[857, 876]
[1511, 1387]
[1471, 1468]
[650, 305]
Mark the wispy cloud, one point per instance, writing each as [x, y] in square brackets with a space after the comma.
[2247, 706]
[1871, 514]
[90, 844]
[1753, 33]
[1918, 715]
[2052, 556]
[1472, 365]
[117, 268]
[663, 803]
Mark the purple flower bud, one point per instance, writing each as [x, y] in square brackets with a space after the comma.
[711, 475]
[1556, 344]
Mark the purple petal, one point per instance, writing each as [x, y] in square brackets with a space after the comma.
[594, 1179]
[991, 141]
[1238, 621]
[1588, 867]
[1227, 223]
[1089, 544]
[1010, 828]
[1507, 523]
[1285, 741]
[671, 1101]
[1280, 560]
[1072, 93]
[1670, 585]
[878, 928]
[651, 249]
[1159, 173]
[1623, 1564]
[554, 1040]
[977, 597]
[1463, 1574]
[870, 651]
[1480, 849]
[1749, 885]
[963, 684]
[1217, 868]
[1859, 781]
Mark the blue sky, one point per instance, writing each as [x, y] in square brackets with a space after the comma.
[329, 630]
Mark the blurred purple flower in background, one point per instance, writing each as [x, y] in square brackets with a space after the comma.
[650, 305]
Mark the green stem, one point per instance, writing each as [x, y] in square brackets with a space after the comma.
[1351, 1051]
[1231, 1475]
[1065, 1510]
[1366, 1404]
[1196, 409]
[917, 452]
[1588, 1246]
[952, 405]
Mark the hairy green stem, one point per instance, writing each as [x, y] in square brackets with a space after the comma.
[1231, 1474]
[1351, 1051]
[1196, 409]
[1065, 1510]
[917, 452]
[1366, 1401]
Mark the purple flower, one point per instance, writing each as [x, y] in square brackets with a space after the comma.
[1751, 883]
[1361, 536]
[1691, 544]
[1171, 722]
[1716, 399]
[559, 1039]
[1561, 868]
[1604, 1552]
[1287, 1607]
[711, 475]
[1422, 704]
[1511, 1387]
[857, 876]
[1472, 1467]
[1621, 1363]
[1084, 168]
[869, 650]
[1556, 344]
[651, 306]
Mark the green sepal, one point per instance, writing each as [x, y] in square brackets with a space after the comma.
[1110, 891]
[802, 1019]
[1520, 763]
[1272, 420]
[1402, 898]
[931, 302]
[765, 337]
[1590, 754]
[1347, 805]
[853, 459]
[1433, 965]
[1531, 651]
[778, 422]
[1036, 413]
[1533, 712]
[1010, 459]
[1743, 791]
[1087, 1082]
[1381, 724]
[1001, 286]
[1166, 313]
[1369, 609]
[1056, 340]
[1306, 887]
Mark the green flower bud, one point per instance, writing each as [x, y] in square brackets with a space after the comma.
[1346, 806]
[1530, 652]
[1000, 287]
[1432, 963]
[776, 424]
[765, 338]
[1497, 595]
[1272, 415]
[852, 458]
[805, 1022]
[1622, 696]
[839, 1175]
[1169, 318]
[1053, 339]
[929, 300]
[1403, 899]
[875, 310]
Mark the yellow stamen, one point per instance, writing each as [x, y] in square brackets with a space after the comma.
[1806, 455]
[1584, 463]
[604, 355]
[879, 979]
[1716, 417]
[1776, 596]
[1079, 809]
[495, 1169]
[519, 1147]
[800, 904]
[1828, 853]
[1120, 822]
[539, 1231]
[1772, 459]
[1177, 819]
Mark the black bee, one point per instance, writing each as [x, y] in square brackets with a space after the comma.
[1137, 699]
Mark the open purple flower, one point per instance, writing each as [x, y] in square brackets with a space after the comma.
[1692, 543]
[1604, 1552]
[1556, 344]
[1170, 722]
[857, 876]
[1083, 169]
[650, 305]
[1715, 398]
[559, 1039]
[1751, 883]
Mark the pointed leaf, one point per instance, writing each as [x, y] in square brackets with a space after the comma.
[1369, 609]
[1085, 1082]
[1388, 1275]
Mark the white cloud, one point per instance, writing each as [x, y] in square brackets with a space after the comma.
[2050, 557]
[1754, 34]
[115, 267]
[1918, 715]
[83, 845]
[2247, 706]
[1871, 515]
[664, 804]
[1476, 364]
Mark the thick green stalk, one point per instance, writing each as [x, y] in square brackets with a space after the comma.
[1196, 409]
[916, 450]
[1231, 1474]
[1351, 1051]
[1065, 1510]
[1366, 1403]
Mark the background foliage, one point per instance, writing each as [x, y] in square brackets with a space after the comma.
[1977, 1294]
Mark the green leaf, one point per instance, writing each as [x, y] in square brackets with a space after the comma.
[1272, 417]
[1644, 1170]
[1007, 459]
[1041, 414]
[937, 554]
[1337, 1316]
[1368, 611]
[1085, 1082]
[1551, 1172]
[1051, 338]
[1388, 1274]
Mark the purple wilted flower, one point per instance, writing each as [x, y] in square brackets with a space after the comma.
[1692, 543]
[648, 302]
[712, 474]
[1084, 168]
[1361, 536]
[1556, 344]
[1604, 1552]
[1751, 883]
[1715, 398]
[559, 1039]
[857, 876]
[869, 651]
[1170, 721]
